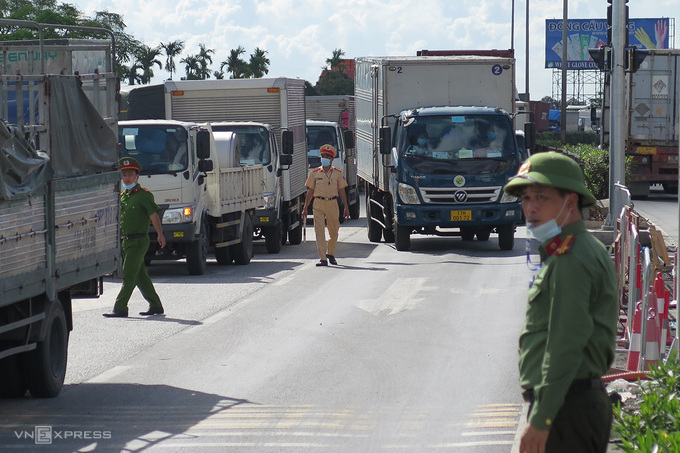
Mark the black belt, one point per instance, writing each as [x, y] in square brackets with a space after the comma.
[133, 236]
[578, 384]
[327, 199]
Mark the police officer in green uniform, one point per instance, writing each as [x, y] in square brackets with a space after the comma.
[567, 343]
[137, 208]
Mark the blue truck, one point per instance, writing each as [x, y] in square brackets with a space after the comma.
[436, 144]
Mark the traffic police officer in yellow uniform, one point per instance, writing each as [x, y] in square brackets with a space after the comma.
[137, 208]
[567, 343]
[325, 184]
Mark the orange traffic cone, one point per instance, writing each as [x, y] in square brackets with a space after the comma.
[635, 340]
[652, 346]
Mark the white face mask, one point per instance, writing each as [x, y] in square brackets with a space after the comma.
[548, 230]
[128, 186]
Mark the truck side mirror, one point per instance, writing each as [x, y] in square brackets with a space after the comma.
[205, 166]
[286, 159]
[203, 144]
[349, 138]
[287, 142]
[530, 136]
[385, 142]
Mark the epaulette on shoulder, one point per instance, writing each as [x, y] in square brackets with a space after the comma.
[317, 169]
[146, 190]
[559, 246]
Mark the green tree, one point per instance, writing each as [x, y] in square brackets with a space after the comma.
[335, 83]
[235, 64]
[259, 63]
[147, 57]
[203, 57]
[554, 103]
[192, 67]
[335, 61]
[172, 49]
[129, 73]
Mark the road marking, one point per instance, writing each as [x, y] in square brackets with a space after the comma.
[403, 294]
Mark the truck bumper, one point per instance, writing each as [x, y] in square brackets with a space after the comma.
[264, 218]
[174, 233]
[448, 216]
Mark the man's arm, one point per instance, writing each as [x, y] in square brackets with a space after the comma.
[308, 199]
[156, 222]
[343, 197]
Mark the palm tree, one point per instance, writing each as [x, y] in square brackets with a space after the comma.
[203, 58]
[235, 64]
[146, 58]
[259, 63]
[172, 50]
[130, 73]
[192, 67]
[335, 61]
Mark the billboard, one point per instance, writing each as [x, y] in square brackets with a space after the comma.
[591, 33]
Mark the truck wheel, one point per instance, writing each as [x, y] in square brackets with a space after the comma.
[295, 235]
[272, 238]
[223, 256]
[506, 236]
[12, 383]
[243, 251]
[197, 252]
[402, 237]
[354, 210]
[45, 366]
[374, 229]
[467, 234]
[388, 234]
[483, 234]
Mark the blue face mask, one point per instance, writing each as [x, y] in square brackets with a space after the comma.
[422, 141]
[325, 161]
[128, 187]
[548, 230]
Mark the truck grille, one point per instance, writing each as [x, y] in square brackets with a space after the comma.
[460, 195]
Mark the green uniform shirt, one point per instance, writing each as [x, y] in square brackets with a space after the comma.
[570, 326]
[137, 205]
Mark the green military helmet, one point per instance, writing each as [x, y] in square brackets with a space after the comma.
[551, 169]
[129, 163]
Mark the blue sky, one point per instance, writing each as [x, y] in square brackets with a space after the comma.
[300, 35]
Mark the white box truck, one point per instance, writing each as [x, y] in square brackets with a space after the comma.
[275, 107]
[207, 198]
[59, 209]
[460, 108]
[338, 114]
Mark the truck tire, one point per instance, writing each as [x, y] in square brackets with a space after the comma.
[12, 383]
[197, 252]
[402, 237]
[388, 235]
[506, 236]
[243, 251]
[483, 234]
[374, 230]
[354, 210]
[467, 233]
[272, 238]
[223, 256]
[45, 366]
[295, 235]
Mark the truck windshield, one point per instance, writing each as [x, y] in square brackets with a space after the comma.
[442, 144]
[159, 149]
[317, 136]
[253, 142]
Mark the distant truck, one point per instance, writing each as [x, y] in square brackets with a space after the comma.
[461, 107]
[206, 196]
[320, 133]
[269, 111]
[59, 204]
[652, 112]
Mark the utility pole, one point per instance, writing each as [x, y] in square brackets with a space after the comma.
[617, 121]
[565, 45]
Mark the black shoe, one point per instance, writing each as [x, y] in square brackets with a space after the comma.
[322, 263]
[153, 311]
[331, 259]
[116, 314]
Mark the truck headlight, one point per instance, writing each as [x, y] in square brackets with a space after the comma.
[408, 194]
[508, 198]
[269, 201]
[178, 215]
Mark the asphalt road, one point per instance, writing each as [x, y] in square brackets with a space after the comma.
[400, 351]
[662, 210]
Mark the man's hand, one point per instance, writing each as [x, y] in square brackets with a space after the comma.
[346, 213]
[533, 440]
[161, 240]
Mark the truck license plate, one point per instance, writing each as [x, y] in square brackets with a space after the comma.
[264, 219]
[458, 216]
[178, 234]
